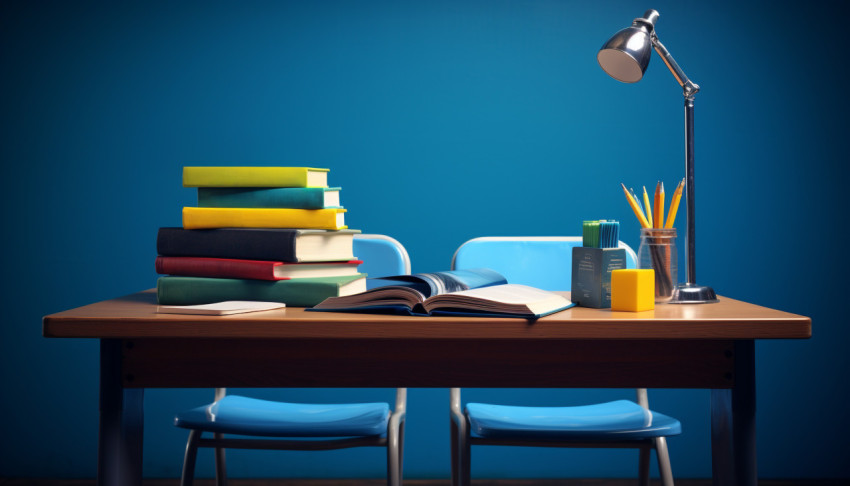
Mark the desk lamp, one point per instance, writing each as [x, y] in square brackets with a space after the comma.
[625, 57]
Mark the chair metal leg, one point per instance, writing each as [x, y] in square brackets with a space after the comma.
[643, 466]
[395, 439]
[454, 451]
[188, 476]
[401, 453]
[393, 456]
[220, 463]
[663, 461]
[461, 452]
[460, 445]
[465, 459]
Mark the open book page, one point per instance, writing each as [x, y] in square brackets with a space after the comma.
[435, 283]
[402, 293]
[507, 300]
[520, 300]
[381, 297]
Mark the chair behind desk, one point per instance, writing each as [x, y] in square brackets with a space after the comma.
[520, 258]
[285, 426]
[382, 256]
[546, 262]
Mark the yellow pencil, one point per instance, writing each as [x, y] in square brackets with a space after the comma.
[647, 206]
[674, 204]
[659, 205]
[633, 203]
[637, 200]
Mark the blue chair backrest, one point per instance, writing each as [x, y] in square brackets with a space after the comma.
[539, 261]
[382, 256]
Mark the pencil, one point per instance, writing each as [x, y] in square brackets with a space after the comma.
[633, 203]
[647, 206]
[674, 204]
[659, 205]
[637, 200]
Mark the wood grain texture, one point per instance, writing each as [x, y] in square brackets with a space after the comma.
[677, 346]
[134, 316]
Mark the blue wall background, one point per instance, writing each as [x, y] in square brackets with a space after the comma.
[442, 121]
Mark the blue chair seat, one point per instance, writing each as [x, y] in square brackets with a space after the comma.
[620, 420]
[235, 414]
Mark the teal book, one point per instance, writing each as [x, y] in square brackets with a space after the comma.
[302, 292]
[269, 197]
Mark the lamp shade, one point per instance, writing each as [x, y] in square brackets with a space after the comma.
[626, 55]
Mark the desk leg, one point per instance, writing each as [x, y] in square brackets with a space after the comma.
[121, 422]
[733, 423]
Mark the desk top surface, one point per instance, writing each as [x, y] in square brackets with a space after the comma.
[135, 316]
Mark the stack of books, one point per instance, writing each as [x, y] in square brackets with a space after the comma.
[272, 234]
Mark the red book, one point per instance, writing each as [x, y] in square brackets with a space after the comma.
[252, 269]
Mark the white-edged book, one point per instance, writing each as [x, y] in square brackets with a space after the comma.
[225, 308]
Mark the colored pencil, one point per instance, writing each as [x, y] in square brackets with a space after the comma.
[659, 205]
[674, 204]
[633, 203]
[637, 200]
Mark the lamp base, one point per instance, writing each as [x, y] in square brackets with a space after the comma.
[693, 294]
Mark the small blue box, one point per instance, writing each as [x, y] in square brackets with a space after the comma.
[591, 278]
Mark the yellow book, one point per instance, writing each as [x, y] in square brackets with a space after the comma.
[203, 218]
[254, 177]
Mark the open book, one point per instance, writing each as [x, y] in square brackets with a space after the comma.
[480, 291]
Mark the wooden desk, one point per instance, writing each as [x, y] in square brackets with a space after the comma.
[674, 346]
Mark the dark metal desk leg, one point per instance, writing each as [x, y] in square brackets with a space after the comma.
[733, 423]
[119, 460]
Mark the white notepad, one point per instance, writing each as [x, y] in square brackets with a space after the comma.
[220, 308]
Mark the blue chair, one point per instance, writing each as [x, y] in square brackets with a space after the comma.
[382, 256]
[545, 262]
[265, 424]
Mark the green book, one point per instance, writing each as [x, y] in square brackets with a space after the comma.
[269, 197]
[298, 292]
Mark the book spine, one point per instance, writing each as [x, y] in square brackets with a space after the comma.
[278, 197]
[216, 267]
[247, 244]
[296, 292]
[200, 218]
[248, 176]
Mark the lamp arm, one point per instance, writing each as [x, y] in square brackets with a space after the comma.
[689, 88]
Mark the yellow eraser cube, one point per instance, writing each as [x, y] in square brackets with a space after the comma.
[633, 290]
